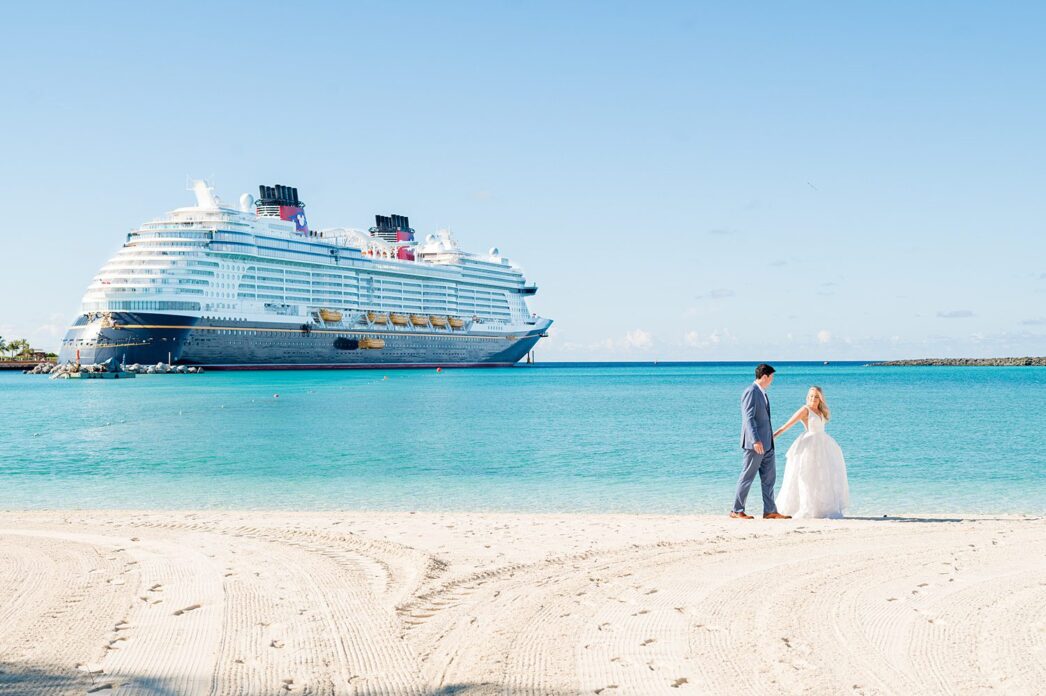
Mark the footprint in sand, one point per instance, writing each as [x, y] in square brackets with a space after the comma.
[101, 687]
[191, 607]
[608, 686]
[679, 682]
[648, 641]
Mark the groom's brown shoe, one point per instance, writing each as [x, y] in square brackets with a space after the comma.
[776, 516]
[741, 516]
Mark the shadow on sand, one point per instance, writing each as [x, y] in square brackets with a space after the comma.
[939, 520]
[24, 680]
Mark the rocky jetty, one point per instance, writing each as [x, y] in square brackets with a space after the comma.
[964, 362]
[67, 370]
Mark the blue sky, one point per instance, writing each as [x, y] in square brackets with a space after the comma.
[683, 181]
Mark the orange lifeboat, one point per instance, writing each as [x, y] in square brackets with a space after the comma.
[398, 319]
[371, 343]
[330, 315]
[376, 318]
[457, 323]
[438, 321]
[419, 320]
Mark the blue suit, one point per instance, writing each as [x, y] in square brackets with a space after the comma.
[755, 427]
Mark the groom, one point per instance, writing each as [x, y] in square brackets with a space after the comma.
[757, 441]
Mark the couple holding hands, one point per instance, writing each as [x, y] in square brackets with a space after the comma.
[815, 473]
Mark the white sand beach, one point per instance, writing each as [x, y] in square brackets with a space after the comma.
[467, 603]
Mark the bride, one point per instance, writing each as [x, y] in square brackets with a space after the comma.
[815, 474]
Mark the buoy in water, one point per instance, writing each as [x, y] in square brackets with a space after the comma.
[275, 396]
[439, 369]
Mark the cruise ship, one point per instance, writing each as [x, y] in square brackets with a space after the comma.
[251, 286]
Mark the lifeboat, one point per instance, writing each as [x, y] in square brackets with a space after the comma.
[419, 321]
[438, 321]
[457, 323]
[398, 319]
[372, 343]
[376, 318]
[330, 315]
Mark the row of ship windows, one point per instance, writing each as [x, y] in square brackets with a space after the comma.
[338, 296]
[109, 269]
[472, 271]
[121, 289]
[303, 274]
[128, 305]
[249, 288]
[413, 288]
[177, 244]
[159, 233]
[399, 306]
[129, 253]
[251, 274]
[508, 275]
[145, 281]
[350, 290]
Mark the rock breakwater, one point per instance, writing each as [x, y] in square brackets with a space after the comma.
[964, 362]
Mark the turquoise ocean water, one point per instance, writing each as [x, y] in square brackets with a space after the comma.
[633, 437]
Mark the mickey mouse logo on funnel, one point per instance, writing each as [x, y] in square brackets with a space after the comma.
[297, 215]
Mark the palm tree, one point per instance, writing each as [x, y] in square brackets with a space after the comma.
[3, 346]
[17, 347]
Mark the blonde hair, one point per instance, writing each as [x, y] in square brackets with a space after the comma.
[823, 407]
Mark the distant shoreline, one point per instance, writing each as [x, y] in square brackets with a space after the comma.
[964, 362]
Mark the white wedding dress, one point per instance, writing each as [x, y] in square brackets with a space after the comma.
[815, 475]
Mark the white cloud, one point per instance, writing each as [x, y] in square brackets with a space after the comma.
[633, 341]
[824, 336]
[693, 339]
[46, 336]
[638, 339]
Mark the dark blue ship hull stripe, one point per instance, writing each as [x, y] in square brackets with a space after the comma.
[149, 338]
